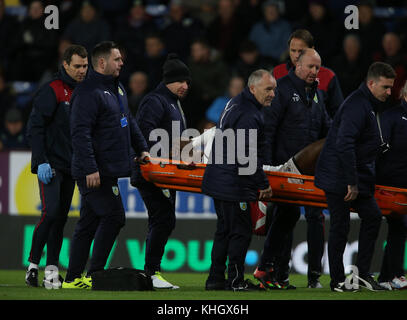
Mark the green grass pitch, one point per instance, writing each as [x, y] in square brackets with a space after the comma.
[13, 287]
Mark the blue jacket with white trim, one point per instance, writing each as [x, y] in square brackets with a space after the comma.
[294, 120]
[222, 180]
[391, 166]
[350, 150]
[158, 110]
[99, 140]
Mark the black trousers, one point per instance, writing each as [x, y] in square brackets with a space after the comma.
[393, 257]
[370, 216]
[315, 241]
[160, 204]
[56, 198]
[232, 239]
[284, 219]
[101, 218]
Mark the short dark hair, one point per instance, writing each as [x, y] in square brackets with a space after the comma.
[303, 35]
[103, 49]
[74, 49]
[380, 69]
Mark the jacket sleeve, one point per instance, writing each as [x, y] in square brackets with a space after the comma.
[253, 147]
[326, 120]
[138, 142]
[83, 120]
[149, 117]
[273, 116]
[388, 125]
[349, 131]
[44, 106]
[335, 97]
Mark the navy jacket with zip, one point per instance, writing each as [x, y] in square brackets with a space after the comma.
[294, 119]
[328, 83]
[158, 110]
[48, 129]
[99, 141]
[391, 166]
[349, 153]
[223, 181]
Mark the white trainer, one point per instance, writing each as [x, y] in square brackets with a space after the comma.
[387, 285]
[399, 283]
[160, 283]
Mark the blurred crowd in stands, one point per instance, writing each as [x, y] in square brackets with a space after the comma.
[222, 42]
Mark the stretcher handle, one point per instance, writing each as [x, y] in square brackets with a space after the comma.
[145, 161]
[304, 189]
[401, 204]
[187, 166]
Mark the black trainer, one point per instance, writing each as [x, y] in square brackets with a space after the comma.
[215, 285]
[314, 284]
[247, 285]
[367, 282]
[313, 280]
[31, 277]
[285, 284]
[342, 287]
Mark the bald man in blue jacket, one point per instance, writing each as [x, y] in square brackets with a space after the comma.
[231, 186]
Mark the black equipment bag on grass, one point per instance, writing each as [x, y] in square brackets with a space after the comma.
[121, 279]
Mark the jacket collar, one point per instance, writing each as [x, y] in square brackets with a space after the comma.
[65, 77]
[289, 65]
[107, 80]
[377, 105]
[300, 85]
[162, 88]
[249, 96]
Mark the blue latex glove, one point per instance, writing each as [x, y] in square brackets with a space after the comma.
[44, 173]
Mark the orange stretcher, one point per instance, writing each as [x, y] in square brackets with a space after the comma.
[181, 176]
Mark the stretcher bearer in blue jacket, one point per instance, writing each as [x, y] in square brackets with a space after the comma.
[50, 140]
[105, 140]
[231, 187]
[346, 172]
[296, 118]
[331, 91]
[391, 170]
[161, 109]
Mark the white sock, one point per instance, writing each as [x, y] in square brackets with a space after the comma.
[32, 266]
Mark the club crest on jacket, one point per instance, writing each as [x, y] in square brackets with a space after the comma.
[115, 190]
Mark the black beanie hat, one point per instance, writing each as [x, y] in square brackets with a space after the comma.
[175, 70]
